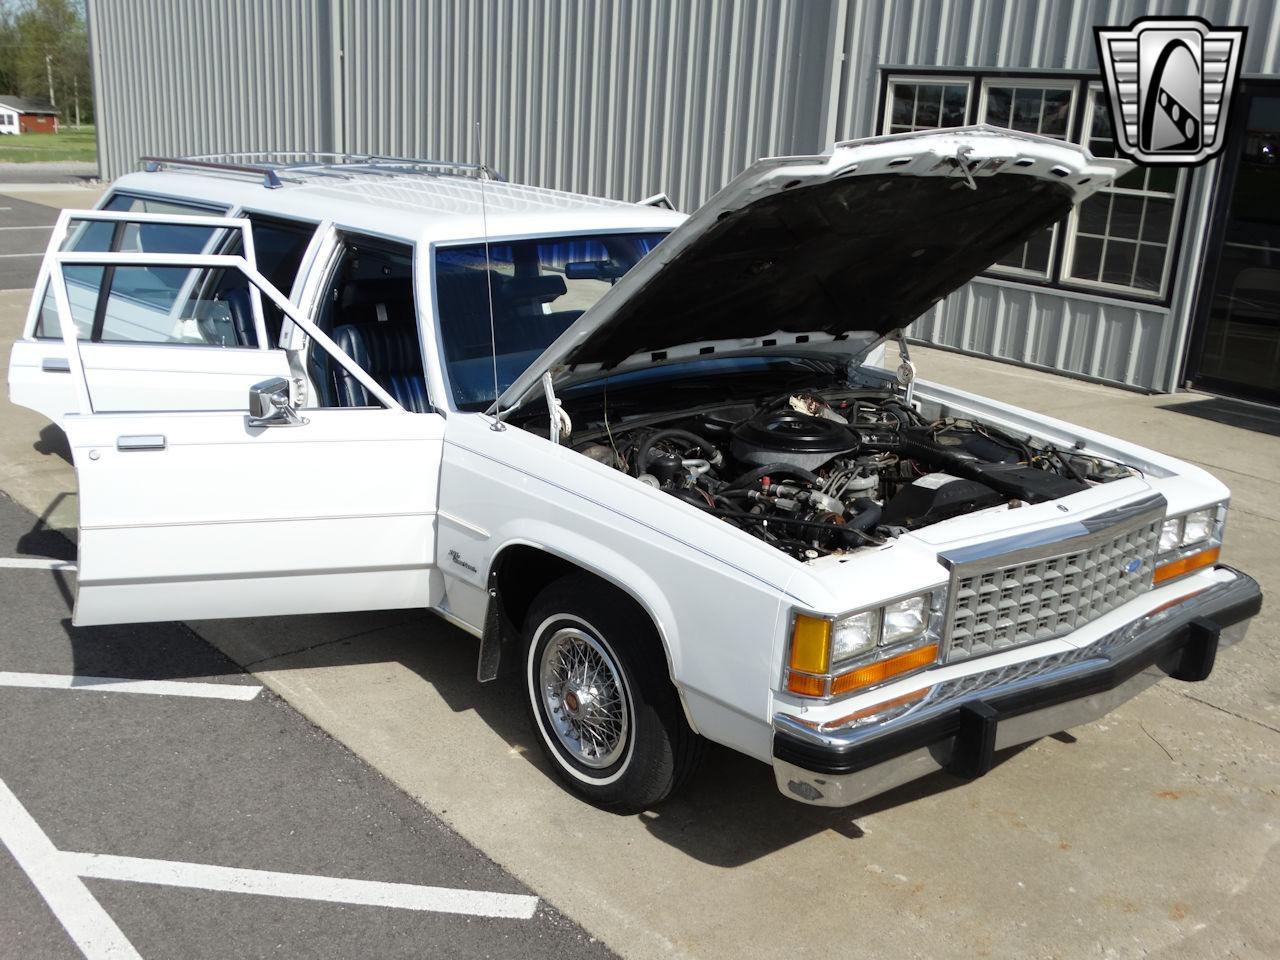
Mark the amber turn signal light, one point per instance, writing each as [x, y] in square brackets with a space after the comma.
[883, 670]
[810, 644]
[1176, 568]
[810, 654]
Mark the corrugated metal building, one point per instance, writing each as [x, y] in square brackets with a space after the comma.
[1169, 277]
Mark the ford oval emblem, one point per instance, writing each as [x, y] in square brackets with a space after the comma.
[1133, 566]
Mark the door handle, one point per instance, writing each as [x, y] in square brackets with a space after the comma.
[140, 442]
[55, 365]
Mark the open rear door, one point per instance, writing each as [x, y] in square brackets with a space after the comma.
[135, 322]
[260, 509]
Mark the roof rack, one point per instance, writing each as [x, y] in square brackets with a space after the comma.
[275, 166]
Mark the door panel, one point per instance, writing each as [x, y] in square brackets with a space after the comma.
[190, 514]
[225, 520]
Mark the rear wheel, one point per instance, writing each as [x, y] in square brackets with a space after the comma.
[600, 698]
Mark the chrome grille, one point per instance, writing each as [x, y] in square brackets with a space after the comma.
[996, 606]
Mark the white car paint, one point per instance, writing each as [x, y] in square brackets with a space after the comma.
[366, 509]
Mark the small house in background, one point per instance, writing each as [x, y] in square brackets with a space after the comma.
[22, 115]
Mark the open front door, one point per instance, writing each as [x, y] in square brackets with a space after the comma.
[262, 509]
[145, 329]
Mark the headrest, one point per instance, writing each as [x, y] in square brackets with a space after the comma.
[542, 289]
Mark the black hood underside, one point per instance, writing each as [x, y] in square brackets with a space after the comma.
[862, 253]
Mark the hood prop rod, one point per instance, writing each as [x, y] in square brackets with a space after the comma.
[906, 370]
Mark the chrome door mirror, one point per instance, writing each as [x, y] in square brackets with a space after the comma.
[271, 405]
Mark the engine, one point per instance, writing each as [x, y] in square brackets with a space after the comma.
[814, 476]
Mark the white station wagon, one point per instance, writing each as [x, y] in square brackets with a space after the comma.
[653, 462]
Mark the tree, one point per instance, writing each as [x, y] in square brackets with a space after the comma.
[45, 43]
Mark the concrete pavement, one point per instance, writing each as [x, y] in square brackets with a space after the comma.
[1150, 833]
[187, 779]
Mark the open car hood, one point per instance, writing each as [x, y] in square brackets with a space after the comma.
[833, 252]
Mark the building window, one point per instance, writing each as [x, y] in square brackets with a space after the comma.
[1122, 237]
[925, 104]
[1030, 106]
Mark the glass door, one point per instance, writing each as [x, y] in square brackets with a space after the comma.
[1239, 336]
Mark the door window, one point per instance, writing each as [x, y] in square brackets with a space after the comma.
[89, 285]
[192, 318]
[156, 304]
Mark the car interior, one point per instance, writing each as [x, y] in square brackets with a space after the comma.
[369, 312]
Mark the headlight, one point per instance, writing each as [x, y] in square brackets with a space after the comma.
[1198, 526]
[853, 636]
[828, 657]
[903, 620]
[1189, 542]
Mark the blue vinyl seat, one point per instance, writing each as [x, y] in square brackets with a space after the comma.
[390, 354]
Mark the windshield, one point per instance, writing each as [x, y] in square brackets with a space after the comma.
[539, 287]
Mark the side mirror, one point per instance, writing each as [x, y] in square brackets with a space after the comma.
[271, 405]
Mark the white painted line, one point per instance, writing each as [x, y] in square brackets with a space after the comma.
[14, 256]
[298, 886]
[163, 688]
[36, 226]
[88, 925]
[36, 563]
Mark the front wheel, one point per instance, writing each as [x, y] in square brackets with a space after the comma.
[600, 698]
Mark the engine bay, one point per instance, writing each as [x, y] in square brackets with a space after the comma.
[816, 474]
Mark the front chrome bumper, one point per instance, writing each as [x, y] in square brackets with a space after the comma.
[959, 724]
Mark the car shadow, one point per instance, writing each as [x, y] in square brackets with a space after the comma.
[53, 443]
[729, 814]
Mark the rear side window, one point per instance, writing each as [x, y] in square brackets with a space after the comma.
[279, 246]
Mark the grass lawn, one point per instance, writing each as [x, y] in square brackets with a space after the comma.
[70, 144]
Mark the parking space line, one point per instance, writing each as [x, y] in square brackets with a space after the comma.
[14, 256]
[36, 563]
[86, 922]
[298, 886]
[34, 226]
[162, 688]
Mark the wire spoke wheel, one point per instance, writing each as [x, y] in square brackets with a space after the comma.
[584, 697]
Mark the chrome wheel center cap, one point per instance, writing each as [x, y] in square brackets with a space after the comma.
[577, 701]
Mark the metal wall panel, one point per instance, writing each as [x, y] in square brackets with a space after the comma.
[622, 99]
[625, 98]
[188, 78]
